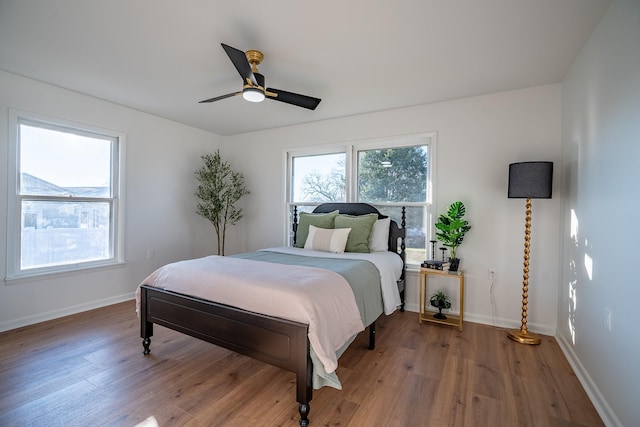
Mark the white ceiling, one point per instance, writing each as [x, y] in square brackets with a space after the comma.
[163, 56]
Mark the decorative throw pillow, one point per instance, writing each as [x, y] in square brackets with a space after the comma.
[320, 220]
[379, 241]
[361, 226]
[327, 240]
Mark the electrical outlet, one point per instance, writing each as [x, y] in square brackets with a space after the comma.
[150, 253]
[491, 274]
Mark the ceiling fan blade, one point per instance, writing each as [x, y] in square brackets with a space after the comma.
[293, 98]
[218, 98]
[239, 59]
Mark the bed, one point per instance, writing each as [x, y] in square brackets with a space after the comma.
[273, 339]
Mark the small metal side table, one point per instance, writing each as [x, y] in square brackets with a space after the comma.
[426, 314]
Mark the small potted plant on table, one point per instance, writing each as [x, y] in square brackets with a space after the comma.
[441, 301]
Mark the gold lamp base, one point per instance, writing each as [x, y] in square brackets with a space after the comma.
[523, 337]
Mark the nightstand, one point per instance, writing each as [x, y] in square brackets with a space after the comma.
[426, 314]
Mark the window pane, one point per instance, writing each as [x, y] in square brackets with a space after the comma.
[396, 176]
[57, 233]
[393, 175]
[318, 179]
[56, 163]
[415, 241]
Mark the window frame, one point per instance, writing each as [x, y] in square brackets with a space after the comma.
[14, 271]
[351, 149]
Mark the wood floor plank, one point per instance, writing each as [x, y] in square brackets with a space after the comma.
[54, 409]
[88, 369]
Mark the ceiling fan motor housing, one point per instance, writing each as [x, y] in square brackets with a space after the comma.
[254, 57]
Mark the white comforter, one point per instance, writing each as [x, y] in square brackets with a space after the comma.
[317, 297]
[388, 264]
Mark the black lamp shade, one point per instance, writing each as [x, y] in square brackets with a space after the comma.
[530, 180]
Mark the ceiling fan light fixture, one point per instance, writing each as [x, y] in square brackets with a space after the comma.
[253, 94]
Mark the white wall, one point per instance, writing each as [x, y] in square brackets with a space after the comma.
[477, 139]
[600, 152]
[161, 158]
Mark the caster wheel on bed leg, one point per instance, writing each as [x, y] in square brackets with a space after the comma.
[304, 413]
[146, 343]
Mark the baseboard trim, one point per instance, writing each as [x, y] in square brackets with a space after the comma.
[496, 322]
[603, 408]
[66, 311]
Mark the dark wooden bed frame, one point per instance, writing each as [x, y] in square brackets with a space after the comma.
[273, 340]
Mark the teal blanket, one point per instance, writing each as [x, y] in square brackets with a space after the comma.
[362, 276]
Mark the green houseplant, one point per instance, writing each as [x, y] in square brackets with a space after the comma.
[451, 229]
[219, 189]
[441, 301]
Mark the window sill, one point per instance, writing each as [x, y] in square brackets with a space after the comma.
[48, 275]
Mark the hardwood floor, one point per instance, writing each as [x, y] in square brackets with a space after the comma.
[88, 370]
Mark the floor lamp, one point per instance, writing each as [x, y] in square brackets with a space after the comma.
[528, 180]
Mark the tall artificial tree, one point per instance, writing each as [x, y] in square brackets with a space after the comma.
[219, 189]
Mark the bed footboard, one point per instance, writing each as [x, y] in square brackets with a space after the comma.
[272, 340]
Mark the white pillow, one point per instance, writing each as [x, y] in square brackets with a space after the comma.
[327, 240]
[379, 240]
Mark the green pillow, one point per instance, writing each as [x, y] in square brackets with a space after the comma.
[361, 226]
[320, 220]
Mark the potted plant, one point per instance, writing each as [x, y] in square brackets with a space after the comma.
[441, 301]
[451, 230]
[219, 189]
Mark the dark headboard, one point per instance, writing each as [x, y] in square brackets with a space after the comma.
[395, 232]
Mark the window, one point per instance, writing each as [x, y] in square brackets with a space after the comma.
[318, 179]
[64, 207]
[388, 174]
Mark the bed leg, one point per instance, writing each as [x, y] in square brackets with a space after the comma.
[146, 327]
[146, 332]
[402, 301]
[304, 378]
[372, 336]
[146, 342]
[304, 414]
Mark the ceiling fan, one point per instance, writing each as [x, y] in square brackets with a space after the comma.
[253, 88]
